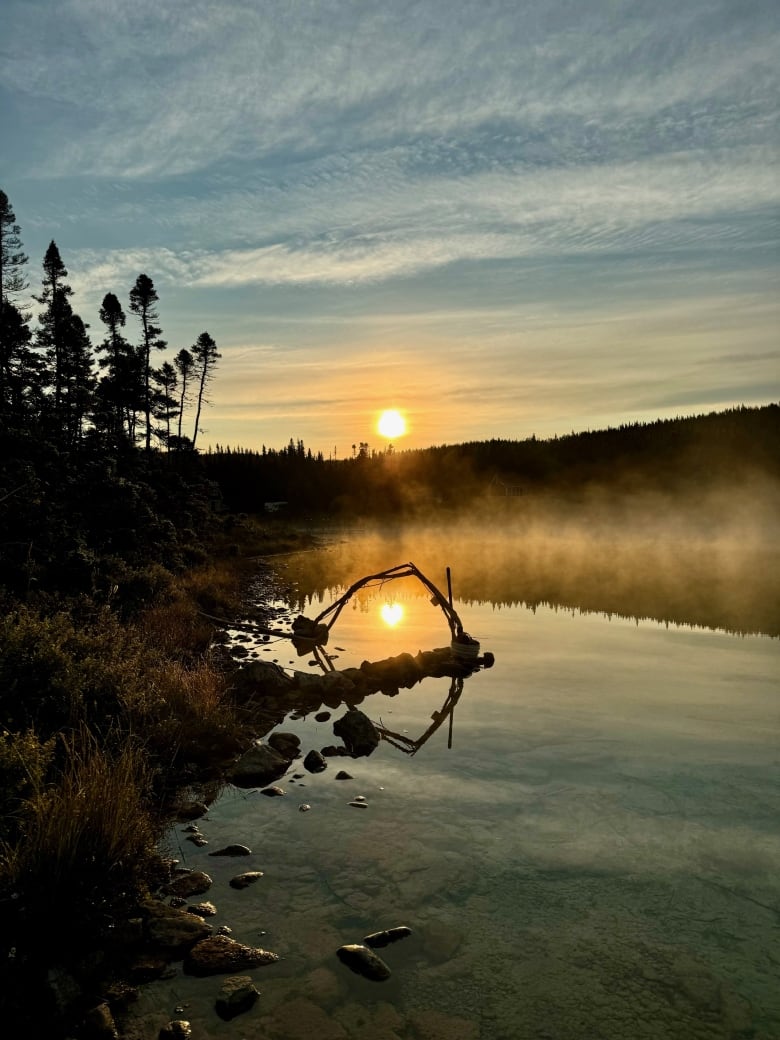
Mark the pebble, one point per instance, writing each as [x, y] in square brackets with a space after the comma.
[359, 805]
[246, 879]
[304, 808]
[344, 775]
[272, 792]
[232, 850]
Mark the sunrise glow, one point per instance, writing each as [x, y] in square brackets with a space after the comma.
[391, 424]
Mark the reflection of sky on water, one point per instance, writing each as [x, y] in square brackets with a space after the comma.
[595, 856]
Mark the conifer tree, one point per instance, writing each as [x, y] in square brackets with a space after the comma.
[204, 352]
[120, 389]
[165, 404]
[12, 256]
[184, 363]
[143, 298]
[52, 321]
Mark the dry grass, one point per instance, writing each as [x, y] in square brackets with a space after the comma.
[89, 832]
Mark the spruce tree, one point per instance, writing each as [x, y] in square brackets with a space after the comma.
[204, 352]
[143, 298]
[12, 256]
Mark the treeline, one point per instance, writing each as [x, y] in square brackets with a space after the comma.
[676, 457]
[99, 482]
[55, 381]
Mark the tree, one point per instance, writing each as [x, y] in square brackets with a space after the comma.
[120, 390]
[54, 299]
[204, 352]
[12, 257]
[184, 363]
[143, 298]
[18, 370]
[166, 406]
[78, 379]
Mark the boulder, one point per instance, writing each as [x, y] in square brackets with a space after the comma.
[262, 677]
[287, 744]
[99, 1024]
[220, 955]
[259, 765]
[357, 731]
[315, 762]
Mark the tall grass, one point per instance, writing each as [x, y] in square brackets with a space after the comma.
[88, 833]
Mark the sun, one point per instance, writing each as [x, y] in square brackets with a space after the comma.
[391, 424]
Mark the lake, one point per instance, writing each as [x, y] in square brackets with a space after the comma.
[586, 846]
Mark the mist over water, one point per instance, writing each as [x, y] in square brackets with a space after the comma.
[589, 849]
[717, 566]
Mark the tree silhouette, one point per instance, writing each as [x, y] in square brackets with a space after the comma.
[143, 298]
[204, 352]
[12, 256]
[184, 364]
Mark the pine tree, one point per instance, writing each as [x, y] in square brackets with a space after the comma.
[143, 298]
[12, 256]
[204, 352]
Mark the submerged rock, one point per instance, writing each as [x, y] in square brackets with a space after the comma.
[232, 850]
[363, 962]
[259, 765]
[237, 995]
[389, 935]
[202, 909]
[220, 954]
[273, 792]
[179, 1029]
[246, 879]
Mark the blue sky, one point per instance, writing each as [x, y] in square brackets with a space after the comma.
[502, 218]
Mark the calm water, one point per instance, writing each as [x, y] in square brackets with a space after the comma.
[594, 856]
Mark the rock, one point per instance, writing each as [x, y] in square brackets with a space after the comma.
[287, 744]
[273, 792]
[259, 765]
[315, 762]
[332, 751]
[173, 929]
[202, 909]
[389, 935]
[193, 883]
[232, 850]
[261, 677]
[99, 1024]
[357, 731]
[179, 1029]
[304, 808]
[224, 929]
[220, 954]
[344, 775]
[322, 716]
[146, 968]
[358, 805]
[363, 962]
[199, 840]
[246, 879]
[237, 995]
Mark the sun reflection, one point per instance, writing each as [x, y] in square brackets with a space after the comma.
[392, 613]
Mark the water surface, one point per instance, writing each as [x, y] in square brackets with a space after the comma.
[589, 850]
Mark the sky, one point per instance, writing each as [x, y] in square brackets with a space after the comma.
[502, 218]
